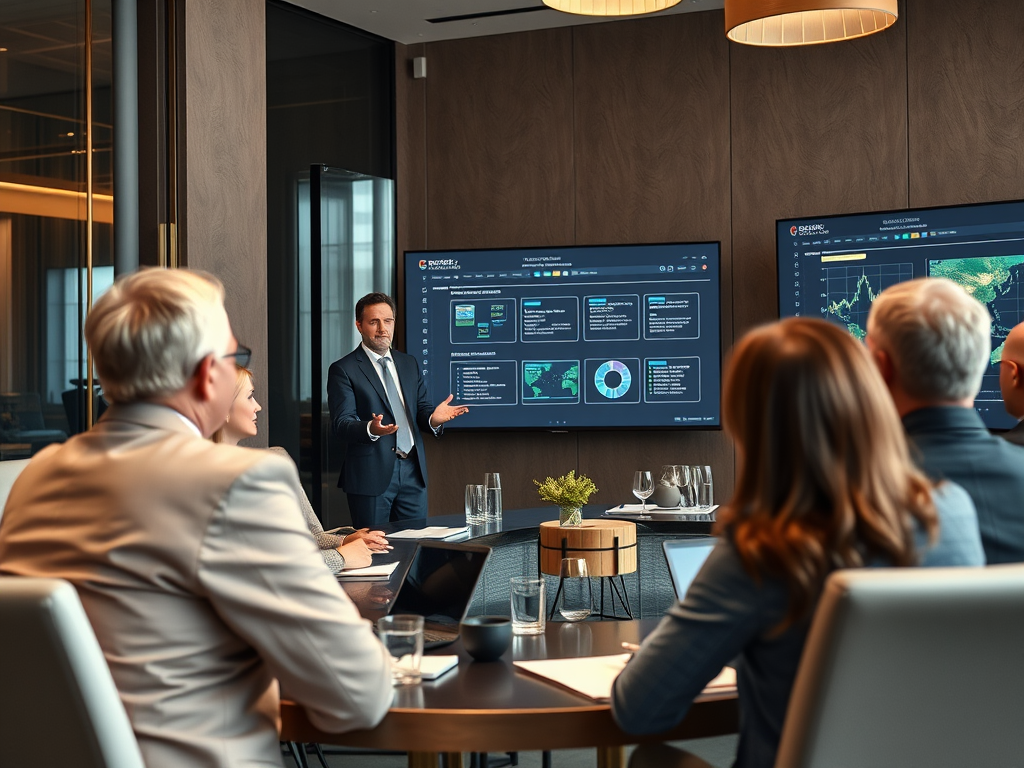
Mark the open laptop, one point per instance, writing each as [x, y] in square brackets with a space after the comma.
[439, 586]
[685, 558]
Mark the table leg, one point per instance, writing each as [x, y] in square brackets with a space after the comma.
[611, 757]
[453, 759]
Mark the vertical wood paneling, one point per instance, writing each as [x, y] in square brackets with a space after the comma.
[499, 141]
[966, 101]
[652, 130]
[225, 48]
[815, 130]
[652, 165]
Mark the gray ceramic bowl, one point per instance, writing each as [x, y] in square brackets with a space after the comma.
[486, 638]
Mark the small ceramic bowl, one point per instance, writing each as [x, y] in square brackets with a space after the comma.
[486, 638]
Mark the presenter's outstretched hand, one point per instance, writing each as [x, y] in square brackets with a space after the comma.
[382, 429]
[375, 540]
[356, 554]
[445, 412]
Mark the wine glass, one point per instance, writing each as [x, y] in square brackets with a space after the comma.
[643, 487]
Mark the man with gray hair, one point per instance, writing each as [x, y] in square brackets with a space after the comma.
[192, 559]
[931, 341]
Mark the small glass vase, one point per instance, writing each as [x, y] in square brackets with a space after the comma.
[570, 517]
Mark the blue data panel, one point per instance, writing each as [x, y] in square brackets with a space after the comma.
[561, 338]
[834, 266]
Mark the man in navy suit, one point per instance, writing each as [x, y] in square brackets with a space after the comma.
[931, 341]
[379, 406]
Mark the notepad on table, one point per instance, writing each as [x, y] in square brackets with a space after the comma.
[593, 675]
[369, 573]
[432, 667]
[430, 532]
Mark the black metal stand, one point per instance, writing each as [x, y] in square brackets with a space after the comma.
[623, 597]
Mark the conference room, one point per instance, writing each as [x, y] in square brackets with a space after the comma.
[230, 137]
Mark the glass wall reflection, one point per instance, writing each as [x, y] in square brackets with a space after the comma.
[43, 213]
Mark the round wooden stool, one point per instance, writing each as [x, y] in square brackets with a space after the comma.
[608, 546]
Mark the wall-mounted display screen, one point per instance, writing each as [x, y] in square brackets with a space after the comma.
[569, 338]
[834, 266]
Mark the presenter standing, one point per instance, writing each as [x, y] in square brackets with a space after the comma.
[379, 406]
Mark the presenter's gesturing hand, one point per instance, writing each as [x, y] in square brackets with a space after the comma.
[445, 412]
[376, 428]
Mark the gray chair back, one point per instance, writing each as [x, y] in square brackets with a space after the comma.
[60, 704]
[911, 667]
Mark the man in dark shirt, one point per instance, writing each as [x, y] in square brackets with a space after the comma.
[931, 342]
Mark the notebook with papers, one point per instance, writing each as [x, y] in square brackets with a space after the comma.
[685, 558]
[439, 586]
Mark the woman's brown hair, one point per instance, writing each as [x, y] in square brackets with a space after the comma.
[824, 479]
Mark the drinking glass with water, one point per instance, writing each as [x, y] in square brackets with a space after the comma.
[492, 491]
[528, 605]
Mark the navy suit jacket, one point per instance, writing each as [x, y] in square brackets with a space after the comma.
[354, 394]
[952, 443]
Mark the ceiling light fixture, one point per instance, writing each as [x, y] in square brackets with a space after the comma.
[610, 7]
[805, 22]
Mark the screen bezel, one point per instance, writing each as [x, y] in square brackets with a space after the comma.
[453, 426]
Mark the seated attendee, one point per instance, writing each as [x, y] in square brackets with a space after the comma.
[1011, 381]
[350, 550]
[193, 563]
[932, 342]
[816, 490]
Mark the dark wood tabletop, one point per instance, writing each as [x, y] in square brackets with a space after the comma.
[494, 707]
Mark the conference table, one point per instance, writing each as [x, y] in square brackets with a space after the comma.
[494, 707]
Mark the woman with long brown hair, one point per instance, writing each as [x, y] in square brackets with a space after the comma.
[825, 481]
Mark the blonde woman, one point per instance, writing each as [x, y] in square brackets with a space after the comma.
[348, 548]
[824, 481]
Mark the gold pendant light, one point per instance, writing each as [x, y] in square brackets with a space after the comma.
[610, 7]
[805, 22]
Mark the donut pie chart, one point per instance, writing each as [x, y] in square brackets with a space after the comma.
[602, 375]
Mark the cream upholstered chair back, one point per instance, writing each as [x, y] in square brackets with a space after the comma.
[60, 704]
[9, 471]
[912, 667]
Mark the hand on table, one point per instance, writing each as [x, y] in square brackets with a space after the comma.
[445, 412]
[375, 540]
[356, 554]
[376, 428]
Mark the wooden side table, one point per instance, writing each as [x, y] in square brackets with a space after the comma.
[609, 548]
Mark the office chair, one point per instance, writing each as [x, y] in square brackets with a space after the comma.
[60, 704]
[908, 667]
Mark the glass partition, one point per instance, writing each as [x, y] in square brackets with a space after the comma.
[56, 120]
[346, 250]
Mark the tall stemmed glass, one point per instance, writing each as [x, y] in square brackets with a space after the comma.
[643, 487]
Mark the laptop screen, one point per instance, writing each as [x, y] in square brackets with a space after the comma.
[440, 582]
[685, 558]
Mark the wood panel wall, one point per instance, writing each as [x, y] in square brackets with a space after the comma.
[658, 129]
[226, 186]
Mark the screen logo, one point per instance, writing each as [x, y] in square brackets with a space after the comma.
[792, 231]
[808, 229]
[423, 263]
[443, 264]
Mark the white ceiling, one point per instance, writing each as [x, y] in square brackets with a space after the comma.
[405, 21]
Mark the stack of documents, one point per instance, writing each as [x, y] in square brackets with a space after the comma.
[430, 532]
[593, 675]
[369, 573]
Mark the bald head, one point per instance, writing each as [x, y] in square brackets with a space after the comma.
[1011, 372]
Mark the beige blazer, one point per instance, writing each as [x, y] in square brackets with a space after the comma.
[203, 585]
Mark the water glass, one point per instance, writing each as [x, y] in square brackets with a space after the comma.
[402, 635]
[528, 605]
[492, 492]
[688, 498]
[575, 598]
[705, 489]
[475, 504]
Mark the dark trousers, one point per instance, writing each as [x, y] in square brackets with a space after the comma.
[404, 499]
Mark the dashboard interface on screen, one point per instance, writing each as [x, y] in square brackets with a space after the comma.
[564, 338]
[833, 267]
